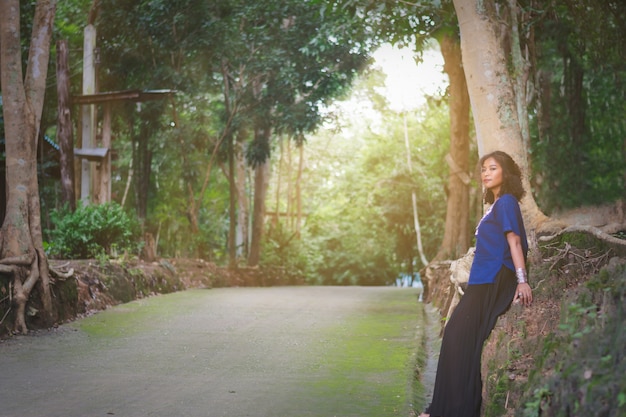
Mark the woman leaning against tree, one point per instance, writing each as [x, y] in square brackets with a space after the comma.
[497, 278]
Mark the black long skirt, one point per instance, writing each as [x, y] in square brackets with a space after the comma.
[458, 384]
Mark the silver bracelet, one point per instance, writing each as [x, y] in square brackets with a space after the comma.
[520, 273]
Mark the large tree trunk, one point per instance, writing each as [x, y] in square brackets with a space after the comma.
[491, 92]
[21, 244]
[456, 237]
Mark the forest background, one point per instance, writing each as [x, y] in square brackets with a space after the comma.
[250, 160]
[338, 187]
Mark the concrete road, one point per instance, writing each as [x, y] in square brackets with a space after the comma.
[236, 352]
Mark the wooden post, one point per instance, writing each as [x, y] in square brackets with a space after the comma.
[88, 111]
[104, 189]
[64, 127]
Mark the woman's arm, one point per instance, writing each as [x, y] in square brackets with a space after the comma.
[523, 292]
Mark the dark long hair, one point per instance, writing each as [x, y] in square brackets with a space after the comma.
[511, 177]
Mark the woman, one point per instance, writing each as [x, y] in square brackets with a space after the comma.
[497, 278]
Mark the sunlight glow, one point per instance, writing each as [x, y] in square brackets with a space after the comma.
[408, 83]
[406, 88]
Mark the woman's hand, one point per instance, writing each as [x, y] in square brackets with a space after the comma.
[523, 294]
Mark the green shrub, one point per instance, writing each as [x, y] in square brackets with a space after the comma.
[92, 231]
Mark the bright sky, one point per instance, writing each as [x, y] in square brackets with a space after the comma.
[406, 87]
[408, 82]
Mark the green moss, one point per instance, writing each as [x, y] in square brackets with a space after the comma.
[139, 315]
[373, 362]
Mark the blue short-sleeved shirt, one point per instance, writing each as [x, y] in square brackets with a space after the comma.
[492, 248]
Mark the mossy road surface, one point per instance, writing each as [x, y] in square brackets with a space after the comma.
[236, 352]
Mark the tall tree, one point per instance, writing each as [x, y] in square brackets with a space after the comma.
[456, 236]
[21, 245]
[417, 24]
[165, 45]
[491, 90]
[357, 190]
[580, 99]
[274, 63]
[284, 60]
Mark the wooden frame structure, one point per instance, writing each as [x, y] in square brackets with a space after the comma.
[96, 161]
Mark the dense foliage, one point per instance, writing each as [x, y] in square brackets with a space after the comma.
[359, 225]
[93, 231]
[578, 122]
[239, 68]
[243, 72]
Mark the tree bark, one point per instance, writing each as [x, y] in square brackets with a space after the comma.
[456, 237]
[491, 92]
[576, 107]
[64, 127]
[279, 176]
[289, 207]
[21, 244]
[232, 206]
[258, 216]
[144, 170]
[242, 205]
[299, 190]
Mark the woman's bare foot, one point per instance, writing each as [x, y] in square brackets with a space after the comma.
[424, 415]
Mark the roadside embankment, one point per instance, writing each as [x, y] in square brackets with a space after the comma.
[564, 354]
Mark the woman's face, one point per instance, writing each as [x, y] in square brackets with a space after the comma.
[491, 175]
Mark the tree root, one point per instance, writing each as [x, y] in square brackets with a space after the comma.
[569, 256]
[58, 273]
[598, 233]
[7, 269]
[25, 272]
[566, 257]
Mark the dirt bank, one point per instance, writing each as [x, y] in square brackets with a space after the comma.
[579, 291]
